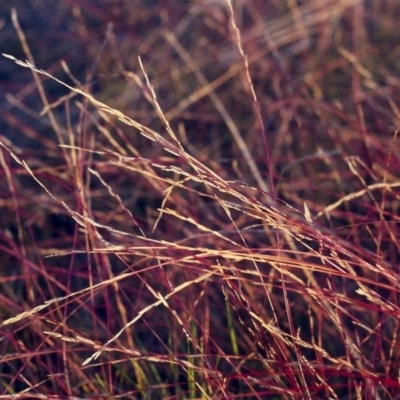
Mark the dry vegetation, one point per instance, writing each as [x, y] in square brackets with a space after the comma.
[200, 200]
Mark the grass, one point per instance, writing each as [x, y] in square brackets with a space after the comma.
[201, 201]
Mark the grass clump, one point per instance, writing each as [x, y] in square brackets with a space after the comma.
[207, 208]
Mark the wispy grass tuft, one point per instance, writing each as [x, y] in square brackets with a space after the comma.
[210, 212]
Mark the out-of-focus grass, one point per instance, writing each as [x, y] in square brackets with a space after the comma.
[215, 219]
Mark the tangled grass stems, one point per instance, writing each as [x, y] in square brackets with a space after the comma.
[213, 288]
